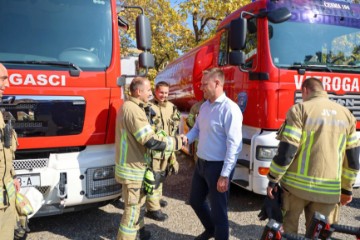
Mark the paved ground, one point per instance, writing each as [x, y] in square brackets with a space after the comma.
[102, 223]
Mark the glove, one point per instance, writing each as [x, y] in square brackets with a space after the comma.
[149, 182]
[173, 165]
[272, 207]
[21, 228]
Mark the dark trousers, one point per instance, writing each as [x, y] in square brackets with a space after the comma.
[204, 182]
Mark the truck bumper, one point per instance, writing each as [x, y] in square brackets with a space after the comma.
[68, 180]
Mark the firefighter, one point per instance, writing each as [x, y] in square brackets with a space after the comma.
[166, 119]
[317, 159]
[134, 138]
[190, 122]
[8, 184]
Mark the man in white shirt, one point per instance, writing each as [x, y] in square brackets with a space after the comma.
[218, 128]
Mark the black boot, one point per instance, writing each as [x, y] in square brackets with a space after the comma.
[163, 203]
[157, 215]
[205, 236]
[143, 234]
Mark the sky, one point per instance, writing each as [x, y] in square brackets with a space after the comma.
[174, 4]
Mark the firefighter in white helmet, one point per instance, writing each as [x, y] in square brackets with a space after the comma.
[134, 138]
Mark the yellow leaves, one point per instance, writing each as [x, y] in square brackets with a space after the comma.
[172, 34]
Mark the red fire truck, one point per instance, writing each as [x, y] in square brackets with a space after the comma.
[63, 59]
[266, 49]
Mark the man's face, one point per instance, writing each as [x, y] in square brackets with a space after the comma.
[208, 86]
[145, 91]
[162, 93]
[4, 80]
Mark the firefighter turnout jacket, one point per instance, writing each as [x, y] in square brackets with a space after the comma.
[318, 153]
[166, 118]
[8, 212]
[7, 173]
[134, 138]
[194, 112]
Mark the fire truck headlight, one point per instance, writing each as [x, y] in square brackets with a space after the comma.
[265, 153]
[103, 173]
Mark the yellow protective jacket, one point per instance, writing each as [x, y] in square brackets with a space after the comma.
[318, 153]
[134, 138]
[166, 118]
[7, 172]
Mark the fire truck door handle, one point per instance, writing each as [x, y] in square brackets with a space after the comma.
[62, 186]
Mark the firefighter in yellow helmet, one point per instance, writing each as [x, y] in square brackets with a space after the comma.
[134, 138]
[190, 122]
[318, 157]
[8, 185]
[165, 120]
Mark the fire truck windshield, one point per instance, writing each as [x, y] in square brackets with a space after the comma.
[331, 47]
[76, 31]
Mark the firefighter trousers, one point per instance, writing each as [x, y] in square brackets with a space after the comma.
[133, 217]
[153, 200]
[293, 207]
[7, 221]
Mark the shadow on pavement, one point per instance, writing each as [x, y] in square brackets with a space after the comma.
[158, 232]
[89, 224]
[245, 232]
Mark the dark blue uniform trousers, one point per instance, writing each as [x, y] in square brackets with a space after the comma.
[204, 182]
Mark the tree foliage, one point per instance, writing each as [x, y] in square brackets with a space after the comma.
[206, 14]
[171, 34]
[169, 30]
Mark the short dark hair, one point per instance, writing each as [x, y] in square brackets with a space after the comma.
[161, 84]
[313, 84]
[136, 83]
[215, 72]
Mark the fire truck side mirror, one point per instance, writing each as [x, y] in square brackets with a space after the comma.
[238, 29]
[143, 33]
[146, 60]
[279, 15]
[237, 58]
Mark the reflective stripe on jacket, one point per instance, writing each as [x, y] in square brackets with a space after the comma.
[166, 122]
[321, 130]
[133, 131]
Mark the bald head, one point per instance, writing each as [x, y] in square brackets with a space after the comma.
[309, 86]
[312, 84]
[140, 88]
[4, 79]
[3, 70]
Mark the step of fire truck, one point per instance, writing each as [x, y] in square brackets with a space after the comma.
[242, 172]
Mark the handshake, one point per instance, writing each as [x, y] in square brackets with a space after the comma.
[181, 141]
[184, 139]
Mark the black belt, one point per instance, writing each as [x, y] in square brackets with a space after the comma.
[207, 161]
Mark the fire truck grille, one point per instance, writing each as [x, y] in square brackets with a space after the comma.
[43, 189]
[29, 164]
[101, 182]
[350, 101]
